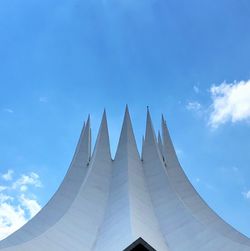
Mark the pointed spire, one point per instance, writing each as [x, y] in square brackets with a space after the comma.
[83, 149]
[165, 132]
[162, 119]
[81, 135]
[127, 141]
[159, 138]
[150, 133]
[102, 145]
[168, 147]
[126, 108]
[150, 144]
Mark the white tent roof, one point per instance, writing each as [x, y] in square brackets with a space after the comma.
[106, 205]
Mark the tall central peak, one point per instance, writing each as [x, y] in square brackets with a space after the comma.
[102, 145]
[127, 143]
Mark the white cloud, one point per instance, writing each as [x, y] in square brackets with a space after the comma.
[17, 204]
[25, 180]
[31, 205]
[2, 188]
[8, 110]
[23, 188]
[193, 106]
[230, 102]
[4, 197]
[11, 217]
[8, 176]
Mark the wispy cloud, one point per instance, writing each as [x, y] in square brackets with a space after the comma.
[25, 180]
[17, 205]
[230, 103]
[8, 175]
[8, 110]
[193, 106]
[4, 198]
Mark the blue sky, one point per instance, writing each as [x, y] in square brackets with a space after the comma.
[61, 60]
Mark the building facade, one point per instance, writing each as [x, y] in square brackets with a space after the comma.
[131, 202]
